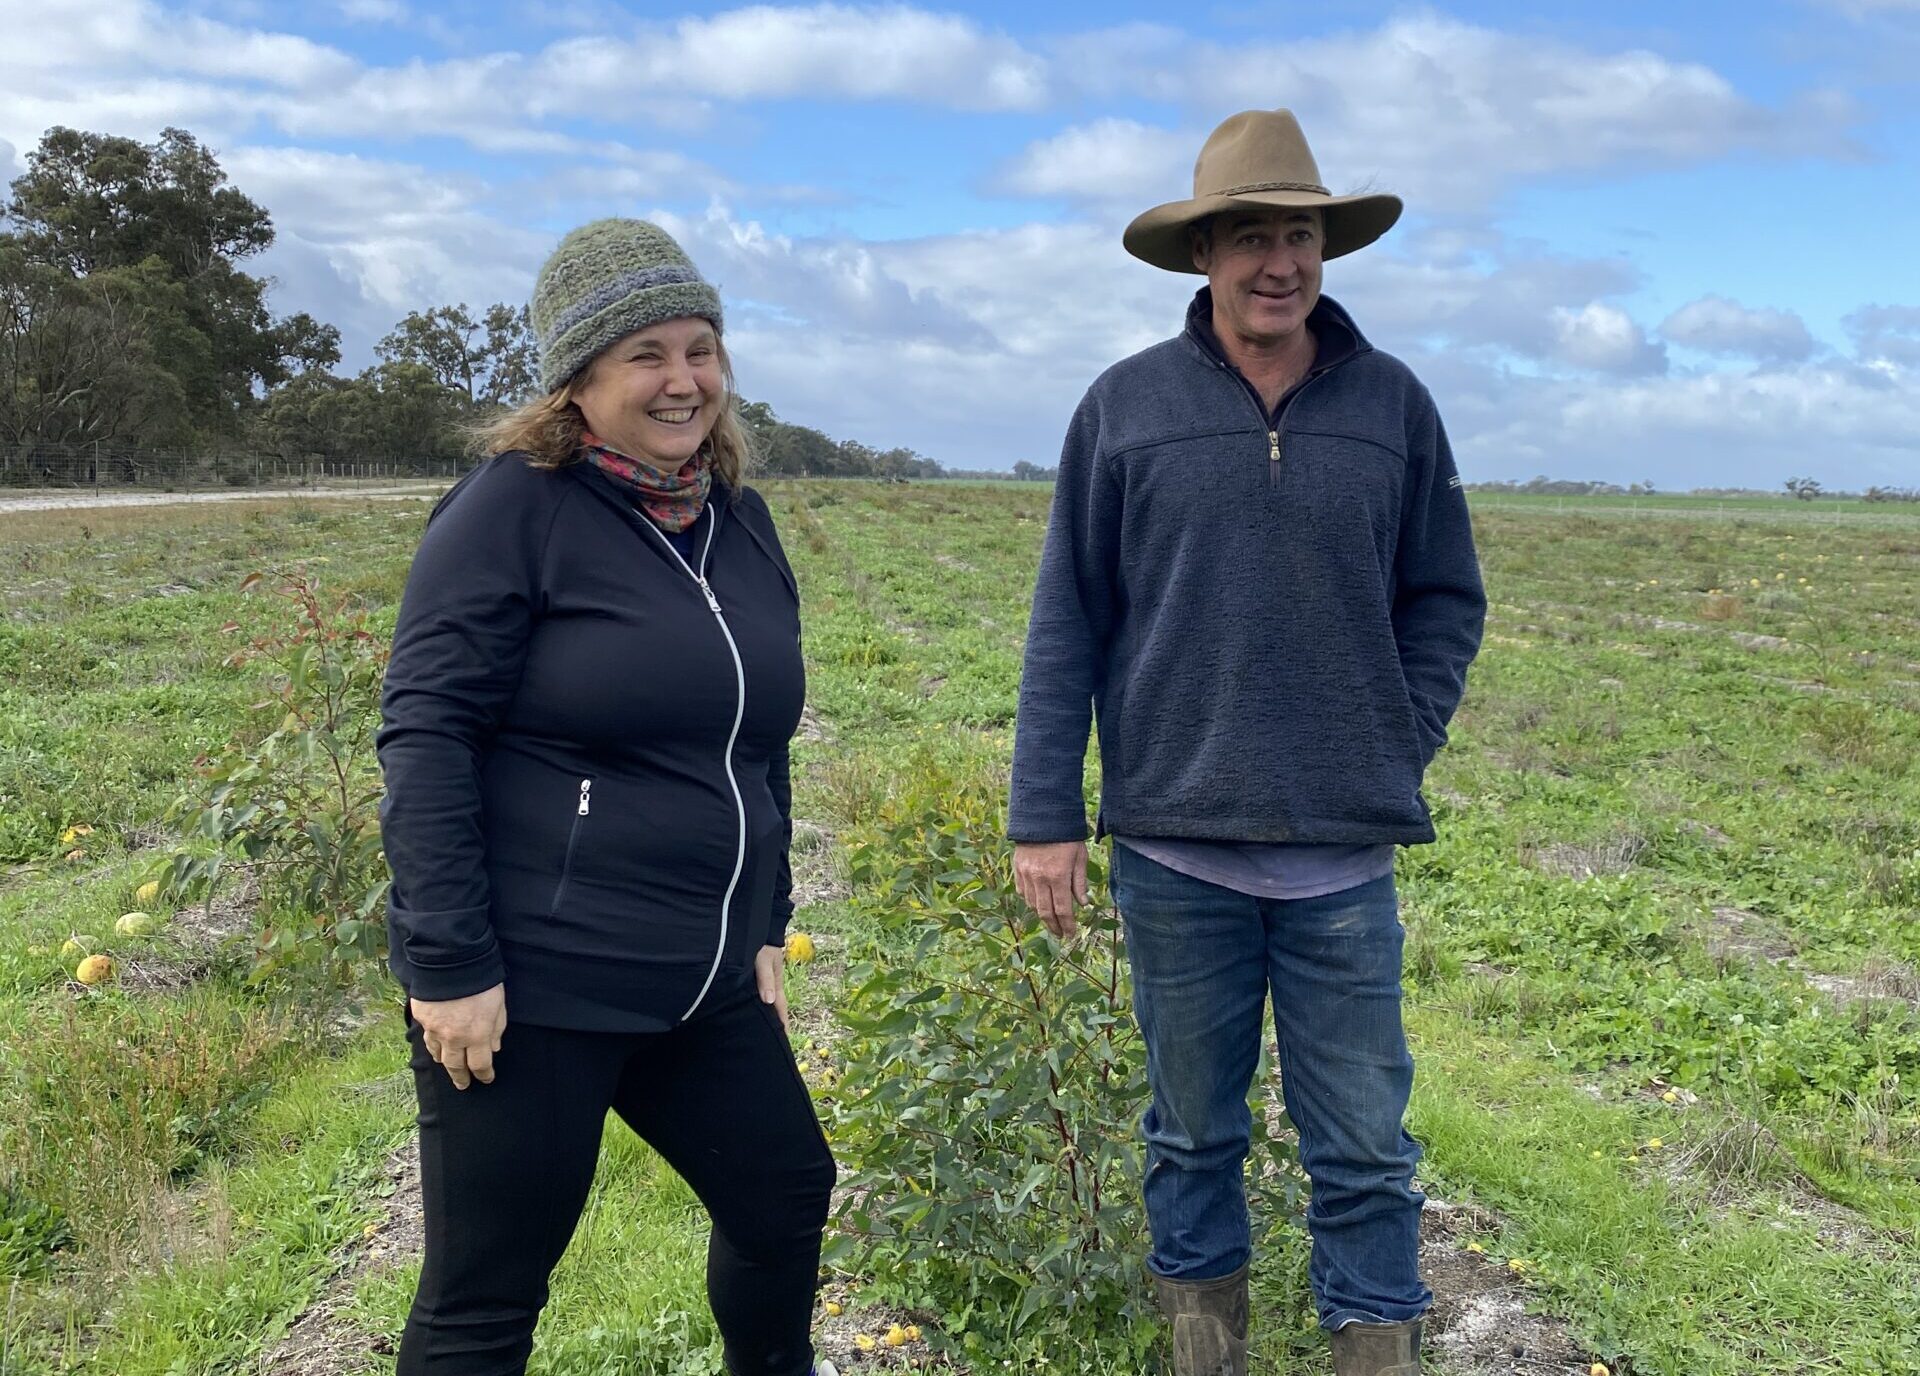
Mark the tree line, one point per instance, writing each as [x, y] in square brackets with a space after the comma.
[129, 321]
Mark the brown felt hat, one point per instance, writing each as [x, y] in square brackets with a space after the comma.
[1259, 160]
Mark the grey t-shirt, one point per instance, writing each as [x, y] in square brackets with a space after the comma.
[1266, 869]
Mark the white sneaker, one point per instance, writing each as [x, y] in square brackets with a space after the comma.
[823, 1367]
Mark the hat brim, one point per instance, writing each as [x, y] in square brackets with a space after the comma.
[1159, 236]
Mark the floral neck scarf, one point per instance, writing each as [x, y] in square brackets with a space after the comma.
[673, 501]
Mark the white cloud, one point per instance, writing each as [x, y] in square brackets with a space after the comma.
[361, 241]
[974, 348]
[843, 288]
[1769, 422]
[1449, 113]
[1476, 290]
[1111, 161]
[628, 183]
[821, 51]
[1713, 324]
[1886, 334]
[1605, 339]
[134, 67]
[1446, 112]
[110, 40]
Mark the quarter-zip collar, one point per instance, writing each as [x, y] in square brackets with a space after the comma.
[1337, 340]
[1336, 337]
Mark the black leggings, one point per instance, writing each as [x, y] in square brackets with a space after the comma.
[505, 1170]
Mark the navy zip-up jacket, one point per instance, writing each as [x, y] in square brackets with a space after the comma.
[585, 751]
[1271, 616]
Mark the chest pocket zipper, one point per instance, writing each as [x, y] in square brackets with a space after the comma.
[573, 839]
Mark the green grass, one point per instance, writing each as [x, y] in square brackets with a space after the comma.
[1765, 507]
[253, 1240]
[1682, 1269]
[1661, 702]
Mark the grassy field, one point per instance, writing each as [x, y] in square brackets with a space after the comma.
[1687, 504]
[1661, 967]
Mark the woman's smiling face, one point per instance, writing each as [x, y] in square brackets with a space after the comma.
[654, 395]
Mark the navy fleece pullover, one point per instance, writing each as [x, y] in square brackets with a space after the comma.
[1271, 618]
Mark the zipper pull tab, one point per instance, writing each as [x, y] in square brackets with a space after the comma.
[586, 787]
[712, 601]
[1273, 446]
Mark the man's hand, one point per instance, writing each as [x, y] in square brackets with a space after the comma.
[463, 1034]
[1052, 877]
[769, 977]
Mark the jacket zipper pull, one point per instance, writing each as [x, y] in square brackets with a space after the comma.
[1273, 457]
[586, 787]
[712, 601]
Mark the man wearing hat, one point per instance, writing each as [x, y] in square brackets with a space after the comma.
[1259, 578]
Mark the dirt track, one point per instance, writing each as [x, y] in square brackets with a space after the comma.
[76, 501]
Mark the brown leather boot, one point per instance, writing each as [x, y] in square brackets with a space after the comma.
[1377, 1349]
[1209, 1319]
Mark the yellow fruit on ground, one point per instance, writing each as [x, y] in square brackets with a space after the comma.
[913, 1332]
[1599, 1369]
[835, 1309]
[147, 892]
[75, 946]
[74, 833]
[896, 1336]
[94, 970]
[135, 924]
[799, 948]
[864, 1341]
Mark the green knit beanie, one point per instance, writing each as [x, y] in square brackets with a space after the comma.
[608, 279]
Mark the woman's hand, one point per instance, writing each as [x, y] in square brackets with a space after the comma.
[463, 1034]
[769, 974]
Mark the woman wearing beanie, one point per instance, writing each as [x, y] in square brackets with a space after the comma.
[594, 680]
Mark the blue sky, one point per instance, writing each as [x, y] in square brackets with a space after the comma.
[1643, 241]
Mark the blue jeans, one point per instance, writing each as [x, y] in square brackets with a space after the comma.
[1203, 959]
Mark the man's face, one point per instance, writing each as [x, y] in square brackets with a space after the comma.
[1264, 267]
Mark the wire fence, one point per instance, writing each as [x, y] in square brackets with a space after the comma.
[105, 467]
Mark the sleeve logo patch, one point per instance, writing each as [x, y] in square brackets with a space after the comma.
[1454, 481]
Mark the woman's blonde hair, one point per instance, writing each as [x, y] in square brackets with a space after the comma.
[548, 430]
